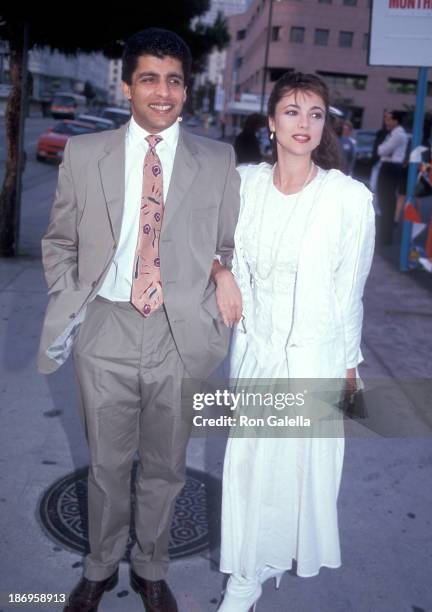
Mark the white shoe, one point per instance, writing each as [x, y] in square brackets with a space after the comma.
[241, 594]
[271, 572]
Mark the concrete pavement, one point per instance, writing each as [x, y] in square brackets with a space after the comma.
[386, 494]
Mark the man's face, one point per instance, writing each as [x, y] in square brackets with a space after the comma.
[389, 121]
[157, 92]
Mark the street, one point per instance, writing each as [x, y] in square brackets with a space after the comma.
[385, 499]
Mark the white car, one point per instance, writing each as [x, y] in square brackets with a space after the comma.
[99, 123]
[118, 115]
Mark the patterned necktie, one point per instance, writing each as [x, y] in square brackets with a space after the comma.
[147, 293]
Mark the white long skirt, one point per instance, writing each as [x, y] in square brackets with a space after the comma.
[279, 498]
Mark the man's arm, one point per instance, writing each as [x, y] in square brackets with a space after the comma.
[391, 143]
[228, 213]
[228, 296]
[60, 242]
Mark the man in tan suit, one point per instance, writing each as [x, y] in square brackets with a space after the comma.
[137, 257]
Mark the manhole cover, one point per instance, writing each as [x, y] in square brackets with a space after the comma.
[195, 527]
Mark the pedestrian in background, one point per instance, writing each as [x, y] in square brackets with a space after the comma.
[246, 144]
[403, 184]
[392, 154]
[348, 146]
[376, 163]
[222, 126]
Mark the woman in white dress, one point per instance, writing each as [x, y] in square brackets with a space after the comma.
[303, 250]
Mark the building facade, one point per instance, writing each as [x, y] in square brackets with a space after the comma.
[52, 71]
[115, 88]
[216, 61]
[326, 37]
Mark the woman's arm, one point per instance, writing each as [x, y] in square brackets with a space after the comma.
[355, 259]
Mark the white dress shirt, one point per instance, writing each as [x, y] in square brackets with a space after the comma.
[394, 146]
[118, 282]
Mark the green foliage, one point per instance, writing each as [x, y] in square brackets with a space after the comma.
[86, 29]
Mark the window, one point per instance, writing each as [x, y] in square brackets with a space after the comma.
[275, 34]
[321, 37]
[350, 2]
[63, 100]
[297, 34]
[241, 34]
[238, 62]
[402, 86]
[354, 114]
[346, 39]
[366, 40]
[405, 86]
[342, 79]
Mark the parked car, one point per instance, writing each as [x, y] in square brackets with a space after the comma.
[119, 115]
[52, 142]
[364, 145]
[363, 156]
[99, 123]
[67, 105]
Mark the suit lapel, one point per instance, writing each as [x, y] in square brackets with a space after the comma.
[112, 174]
[186, 167]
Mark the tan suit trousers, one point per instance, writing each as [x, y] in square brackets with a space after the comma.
[129, 378]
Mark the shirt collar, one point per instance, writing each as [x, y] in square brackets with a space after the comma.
[170, 136]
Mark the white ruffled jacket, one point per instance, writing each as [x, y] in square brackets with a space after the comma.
[335, 257]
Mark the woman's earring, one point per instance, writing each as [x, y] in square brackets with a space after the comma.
[272, 135]
[179, 119]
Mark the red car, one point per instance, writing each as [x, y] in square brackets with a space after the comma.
[51, 143]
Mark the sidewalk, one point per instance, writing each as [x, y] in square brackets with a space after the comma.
[385, 499]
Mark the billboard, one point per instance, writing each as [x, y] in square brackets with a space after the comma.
[401, 33]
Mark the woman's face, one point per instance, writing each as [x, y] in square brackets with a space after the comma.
[299, 122]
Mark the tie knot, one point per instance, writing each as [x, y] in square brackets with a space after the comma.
[153, 140]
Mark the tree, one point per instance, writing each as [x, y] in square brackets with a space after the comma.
[86, 32]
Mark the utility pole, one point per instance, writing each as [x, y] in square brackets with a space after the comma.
[267, 48]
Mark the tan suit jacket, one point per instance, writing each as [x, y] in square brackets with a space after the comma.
[201, 211]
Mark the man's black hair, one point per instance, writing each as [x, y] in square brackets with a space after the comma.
[397, 116]
[159, 43]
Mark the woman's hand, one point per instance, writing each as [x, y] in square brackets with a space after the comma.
[351, 381]
[228, 296]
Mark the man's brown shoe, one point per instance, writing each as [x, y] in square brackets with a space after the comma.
[87, 594]
[156, 594]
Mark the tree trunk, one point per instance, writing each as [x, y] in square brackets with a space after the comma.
[10, 197]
